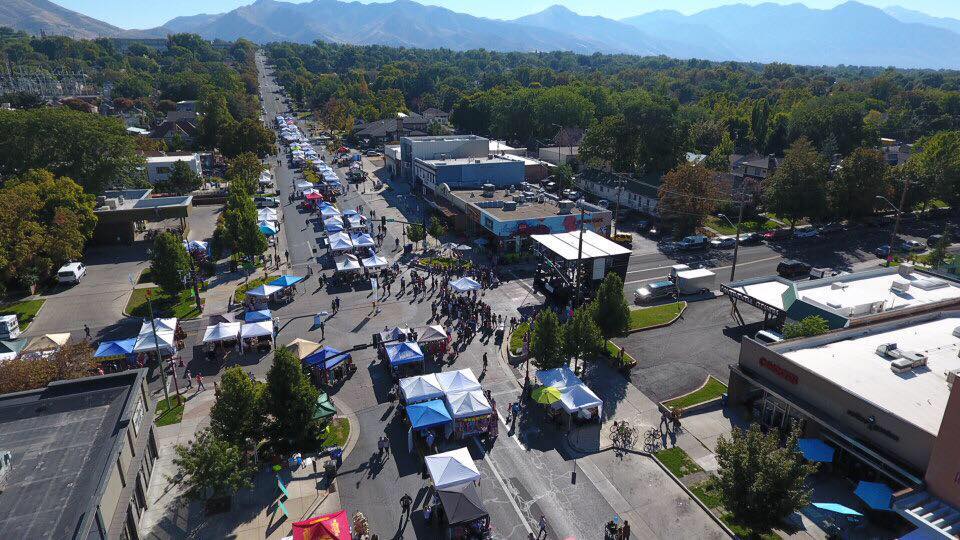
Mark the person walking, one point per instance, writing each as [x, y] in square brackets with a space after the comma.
[323, 331]
[484, 361]
[543, 526]
[187, 379]
[405, 503]
[200, 383]
[86, 330]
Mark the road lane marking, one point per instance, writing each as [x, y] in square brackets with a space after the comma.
[503, 485]
[711, 269]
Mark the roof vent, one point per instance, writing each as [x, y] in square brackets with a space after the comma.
[905, 270]
[888, 350]
[839, 285]
[951, 375]
[509, 206]
[956, 332]
[900, 286]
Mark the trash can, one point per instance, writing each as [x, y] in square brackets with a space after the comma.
[407, 248]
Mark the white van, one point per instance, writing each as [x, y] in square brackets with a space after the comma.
[769, 337]
[71, 272]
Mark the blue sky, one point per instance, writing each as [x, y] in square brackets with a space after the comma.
[150, 13]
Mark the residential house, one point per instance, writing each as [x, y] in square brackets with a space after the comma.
[434, 115]
[160, 167]
[750, 171]
[183, 129]
[641, 195]
[894, 151]
[380, 132]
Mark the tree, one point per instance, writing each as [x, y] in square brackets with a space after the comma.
[939, 252]
[563, 106]
[415, 233]
[170, 264]
[760, 481]
[797, 189]
[759, 124]
[210, 467]
[861, 178]
[248, 135]
[581, 334]
[814, 325]
[436, 229]
[290, 399]
[610, 309]
[719, 158]
[237, 416]
[181, 180]
[216, 123]
[563, 175]
[72, 361]
[245, 169]
[688, 194]
[546, 341]
[938, 165]
[241, 225]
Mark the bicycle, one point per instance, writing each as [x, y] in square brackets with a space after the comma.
[652, 440]
[623, 434]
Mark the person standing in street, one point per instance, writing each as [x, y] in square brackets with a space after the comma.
[543, 527]
[323, 331]
[187, 379]
[86, 330]
[405, 503]
[200, 383]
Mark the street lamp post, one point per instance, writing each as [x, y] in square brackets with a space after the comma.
[736, 242]
[156, 345]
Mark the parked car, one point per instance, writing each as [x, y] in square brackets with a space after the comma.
[657, 289]
[935, 239]
[913, 246]
[266, 202]
[791, 269]
[694, 242]
[832, 228]
[723, 242]
[806, 233]
[749, 239]
[883, 251]
[72, 272]
[371, 153]
[777, 234]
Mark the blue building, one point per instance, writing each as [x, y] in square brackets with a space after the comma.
[468, 173]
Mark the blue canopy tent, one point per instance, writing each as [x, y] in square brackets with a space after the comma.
[815, 450]
[267, 228]
[122, 347]
[348, 213]
[838, 508]
[325, 358]
[427, 414]
[404, 353]
[257, 316]
[877, 495]
[286, 280]
[332, 226]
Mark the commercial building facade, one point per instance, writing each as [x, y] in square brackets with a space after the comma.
[468, 173]
[160, 167]
[439, 147]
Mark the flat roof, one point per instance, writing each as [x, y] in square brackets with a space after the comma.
[857, 294]
[492, 205]
[171, 159]
[62, 440]
[848, 358]
[435, 163]
[567, 245]
[437, 138]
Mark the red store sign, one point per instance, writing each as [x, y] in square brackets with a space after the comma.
[779, 371]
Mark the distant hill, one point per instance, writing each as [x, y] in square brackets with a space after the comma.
[903, 14]
[41, 16]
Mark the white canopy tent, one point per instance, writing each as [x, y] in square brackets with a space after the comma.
[303, 186]
[579, 399]
[355, 221]
[375, 261]
[420, 388]
[430, 333]
[560, 377]
[266, 214]
[362, 240]
[340, 241]
[465, 284]
[264, 290]
[328, 210]
[148, 341]
[468, 404]
[257, 329]
[452, 468]
[224, 331]
[461, 380]
[347, 263]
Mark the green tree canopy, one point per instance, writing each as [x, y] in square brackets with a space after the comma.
[938, 165]
[237, 415]
[170, 263]
[546, 341]
[814, 325]
[610, 309]
[582, 336]
[245, 169]
[210, 467]
[181, 180]
[797, 189]
[854, 188]
[688, 194]
[241, 225]
[290, 399]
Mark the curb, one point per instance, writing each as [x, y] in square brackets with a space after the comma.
[661, 325]
[354, 426]
[693, 408]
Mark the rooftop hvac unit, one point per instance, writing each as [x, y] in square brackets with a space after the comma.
[888, 350]
[517, 199]
[929, 283]
[509, 205]
[951, 375]
[956, 332]
[905, 270]
[565, 206]
[900, 365]
[900, 286]
[839, 285]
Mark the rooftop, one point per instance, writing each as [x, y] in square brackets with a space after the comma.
[62, 439]
[438, 138]
[848, 358]
[858, 294]
[465, 161]
[171, 159]
[567, 245]
[138, 199]
[496, 204]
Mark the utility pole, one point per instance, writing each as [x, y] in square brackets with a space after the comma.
[736, 245]
[156, 345]
[896, 222]
[616, 211]
[579, 296]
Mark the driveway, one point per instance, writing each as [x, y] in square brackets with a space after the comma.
[98, 300]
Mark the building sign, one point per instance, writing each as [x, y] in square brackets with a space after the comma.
[871, 423]
[779, 371]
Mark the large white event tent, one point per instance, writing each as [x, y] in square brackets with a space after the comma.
[375, 261]
[347, 263]
[328, 210]
[362, 240]
[461, 380]
[340, 241]
[420, 388]
[465, 284]
[164, 337]
[468, 404]
[434, 332]
[266, 214]
[452, 468]
[580, 398]
[257, 329]
[264, 290]
[560, 377]
[224, 331]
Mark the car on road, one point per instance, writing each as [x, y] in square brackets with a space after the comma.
[805, 233]
[751, 239]
[935, 239]
[572, 194]
[883, 251]
[723, 242]
[792, 269]
[832, 228]
[371, 153]
[266, 202]
[657, 289]
[776, 234]
[72, 272]
[691, 243]
[913, 246]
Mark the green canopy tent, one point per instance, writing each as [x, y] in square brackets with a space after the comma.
[325, 408]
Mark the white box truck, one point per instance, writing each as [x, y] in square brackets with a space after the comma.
[694, 281]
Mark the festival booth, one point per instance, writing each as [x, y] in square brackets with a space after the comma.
[433, 339]
[220, 338]
[362, 240]
[427, 416]
[257, 316]
[116, 355]
[324, 408]
[268, 228]
[333, 224]
[580, 403]
[405, 359]
[328, 210]
[257, 335]
[168, 338]
[340, 242]
[11, 349]
[568, 394]
[560, 377]
[465, 284]
[334, 526]
[382, 339]
[420, 388]
[45, 345]
[461, 380]
[303, 186]
[259, 298]
[267, 214]
[355, 221]
[473, 414]
[302, 347]
[462, 514]
[347, 263]
[329, 366]
[374, 262]
[288, 286]
[452, 468]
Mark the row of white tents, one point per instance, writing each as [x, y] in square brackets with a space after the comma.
[232, 331]
[575, 397]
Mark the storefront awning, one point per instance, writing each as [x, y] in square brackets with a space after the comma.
[815, 450]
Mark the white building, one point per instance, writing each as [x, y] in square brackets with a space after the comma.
[160, 167]
[631, 193]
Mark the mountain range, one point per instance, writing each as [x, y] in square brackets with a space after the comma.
[851, 33]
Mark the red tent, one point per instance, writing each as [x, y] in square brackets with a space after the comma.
[343, 150]
[334, 526]
[313, 196]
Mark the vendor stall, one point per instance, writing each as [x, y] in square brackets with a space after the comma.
[11, 349]
[405, 359]
[325, 408]
[473, 414]
[302, 347]
[257, 316]
[116, 355]
[362, 239]
[328, 210]
[428, 414]
[340, 242]
[286, 281]
[420, 388]
[219, 339]
[568, 394]
[374, 262]
[433, 339]
[461, 380]
[329, 366]
[267, 214]
[462, 514]
[333, 224]
[452, 468]
[168, 338]
[268, 228]
[45, 345]
[259, 298]
[560, 377]
[334, 526]
[464, 285]
[347, 263]
[257, 336]
[355, 222]
[581, 404]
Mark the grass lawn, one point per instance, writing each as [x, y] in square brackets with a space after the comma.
[25, 311]
[516, 338]
[713, 389]
[743, 531]
[170, 411]
[241, 291]
[721, 226]
[145, 277]
[708, 493]
[336, 433]
[181, 306]
[656, 315]
[677, 461]
[614, 352]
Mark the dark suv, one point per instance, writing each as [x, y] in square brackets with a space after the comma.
[793, 269]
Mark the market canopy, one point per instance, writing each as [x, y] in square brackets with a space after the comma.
[286, 281]
[11, 349]
[324, 408]
[427, 414]
[580, 398]
[266, 214]
[195, 245]
[221, 332]
[326, 358]
[452, 468]
[328, 210]
[334, 526]
[420, 388]
[465, 284]
[404, 353]
[256, 316]
[816, 450]
[468, 404]
[347, 263]
[877, 495]
[164, 337]
[375, 261]
[837, 508]
[267, 228]
[434, 332]
[340, 241]
[462, 503]
[560, 377]
[301, 186]
[398, 333]
[121, 347]
[355, 222]
[47, 342]
[362, 240]
[302, 347]
[461, 380]
[257, 329]
[314, 195]
[161, 324]
[264, 290]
